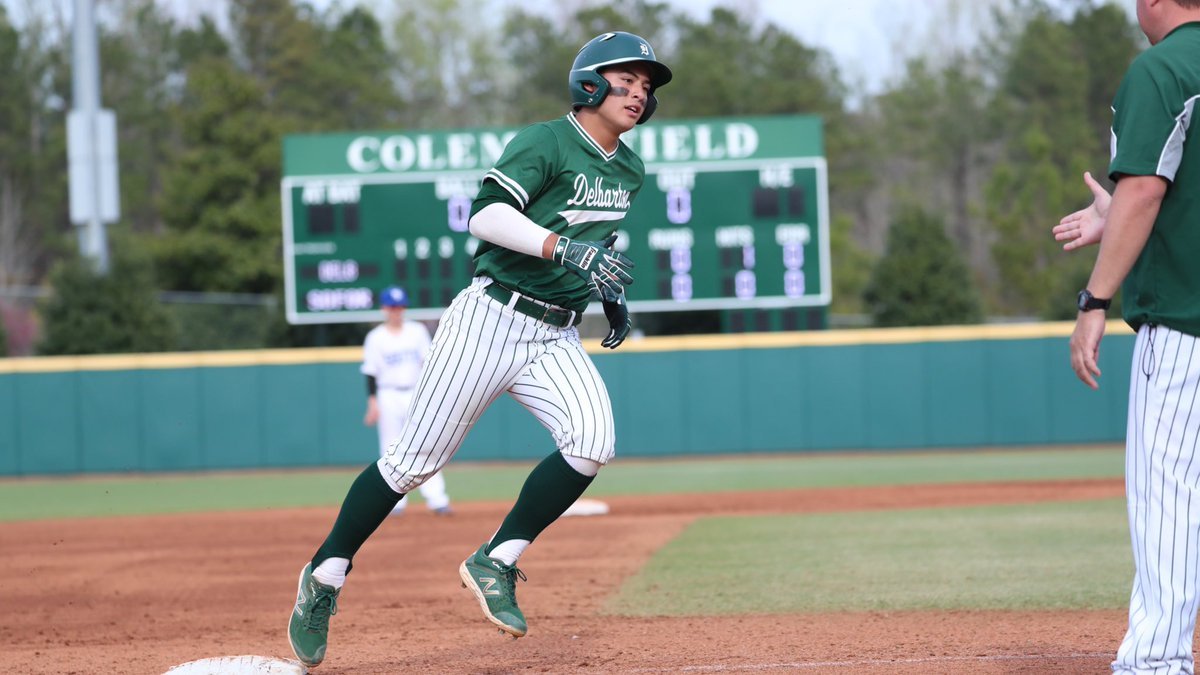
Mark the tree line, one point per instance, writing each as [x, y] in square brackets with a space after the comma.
[943, 186]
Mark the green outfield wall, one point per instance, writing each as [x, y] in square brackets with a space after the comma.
[780, 392]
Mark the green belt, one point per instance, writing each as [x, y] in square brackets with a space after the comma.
[555, 316]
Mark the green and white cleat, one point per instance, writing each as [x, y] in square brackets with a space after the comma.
[308, 629]
[494, 585]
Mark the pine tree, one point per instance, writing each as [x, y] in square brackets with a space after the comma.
[91, 313]
[922, 279]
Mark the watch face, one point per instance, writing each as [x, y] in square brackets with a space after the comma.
[1087, 302]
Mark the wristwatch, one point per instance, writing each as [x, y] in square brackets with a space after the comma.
[1087, 302]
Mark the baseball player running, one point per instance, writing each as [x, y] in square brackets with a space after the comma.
[1148, 238]
[546, 213]
[393, 354]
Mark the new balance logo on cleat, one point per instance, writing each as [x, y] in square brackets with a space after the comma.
[308, 628]
[494, 586]
[488, 583]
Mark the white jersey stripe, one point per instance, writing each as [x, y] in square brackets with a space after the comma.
[588, 138]
[513, 187]
[1172, 152]
[577, 216]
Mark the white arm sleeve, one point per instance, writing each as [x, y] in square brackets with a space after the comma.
[505, 226]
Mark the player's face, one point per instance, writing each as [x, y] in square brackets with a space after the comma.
[629, 89]
[394, 315]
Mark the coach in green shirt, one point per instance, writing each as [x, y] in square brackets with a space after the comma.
[1149, 234]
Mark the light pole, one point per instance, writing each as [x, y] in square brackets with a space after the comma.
[91, 144]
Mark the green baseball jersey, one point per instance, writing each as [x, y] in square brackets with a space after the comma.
[1152, 114]
[564, 181]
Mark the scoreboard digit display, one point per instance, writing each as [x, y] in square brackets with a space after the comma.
[733, 215]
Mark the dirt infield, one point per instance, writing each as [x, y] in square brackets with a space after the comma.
[141, 594]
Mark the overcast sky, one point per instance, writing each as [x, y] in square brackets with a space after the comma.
[868, 38]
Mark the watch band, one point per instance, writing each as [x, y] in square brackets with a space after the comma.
[1087, 302]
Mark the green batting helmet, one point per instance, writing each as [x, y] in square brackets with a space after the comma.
[607, 50]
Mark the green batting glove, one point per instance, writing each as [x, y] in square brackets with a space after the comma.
[619, 324]
[604, 270]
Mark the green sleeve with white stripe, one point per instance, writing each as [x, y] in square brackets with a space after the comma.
[526, 166]
[491, 193]
[1144, 123]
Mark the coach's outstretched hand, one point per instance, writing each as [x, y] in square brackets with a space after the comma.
[1086, 226]
[597, 263]
[618, 320]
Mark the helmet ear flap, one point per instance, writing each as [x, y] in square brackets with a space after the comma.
[602, 89]
[582, 98]
[651, 106]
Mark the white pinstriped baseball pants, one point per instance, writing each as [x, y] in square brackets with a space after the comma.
[393, 414]
[481, 350]
[1162, 486]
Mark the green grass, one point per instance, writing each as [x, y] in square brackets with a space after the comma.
[1041, 556]
[1063, 555]
[69, 497]
[847, 470]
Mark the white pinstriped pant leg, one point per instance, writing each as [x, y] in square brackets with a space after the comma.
[394, 408]
[1162, 485]
[479, 351]
[393, 413]
[564, 392]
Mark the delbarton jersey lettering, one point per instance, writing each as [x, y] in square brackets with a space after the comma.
[564, 181]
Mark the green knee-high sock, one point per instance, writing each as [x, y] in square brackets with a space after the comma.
[367, 504]
[549, 490]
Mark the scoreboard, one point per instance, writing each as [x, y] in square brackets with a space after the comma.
[733, 215]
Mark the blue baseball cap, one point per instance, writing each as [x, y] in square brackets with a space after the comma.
[393, 296]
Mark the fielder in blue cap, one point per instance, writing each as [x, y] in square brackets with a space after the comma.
[393, 296]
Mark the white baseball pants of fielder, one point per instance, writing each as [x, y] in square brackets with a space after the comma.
[481, 350]
[1162, 486]
[393, 413]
